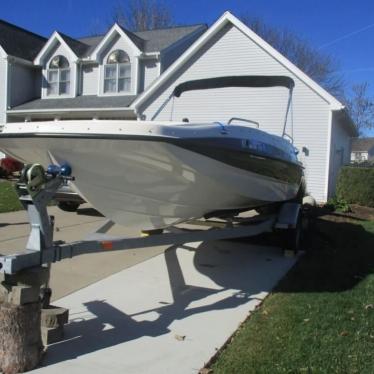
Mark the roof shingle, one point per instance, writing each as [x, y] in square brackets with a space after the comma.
[76, 46]
[79, 102]
[19, 42]
[362, 144]
[150, 40]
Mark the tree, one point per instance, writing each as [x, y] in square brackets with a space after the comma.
[140, 15]
[361, 107]
[321, 67]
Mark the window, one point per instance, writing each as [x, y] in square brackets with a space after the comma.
[117, 72]
[58, 76]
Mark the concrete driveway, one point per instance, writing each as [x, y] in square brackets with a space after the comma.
[153, 310]
[71, 275]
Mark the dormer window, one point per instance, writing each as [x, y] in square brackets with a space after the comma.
[58, 76]
[117, 72]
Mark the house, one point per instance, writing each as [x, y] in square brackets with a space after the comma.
[362, 149]
[18, 47]
[129, 75]
[89, 77]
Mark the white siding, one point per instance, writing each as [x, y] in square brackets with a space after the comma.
[3, 91]
[340, 152]
[149, 71]
[231, 52]
[25, 84]
[90, 80]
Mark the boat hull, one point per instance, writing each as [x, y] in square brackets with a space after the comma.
[149, 183]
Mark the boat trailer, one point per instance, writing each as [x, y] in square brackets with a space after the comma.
[37, 188]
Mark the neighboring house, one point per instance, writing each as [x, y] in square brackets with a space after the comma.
[129, 75]
[18, 48]
[362, 149]
[97, 77]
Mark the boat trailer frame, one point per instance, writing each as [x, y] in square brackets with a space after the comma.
[41, 187]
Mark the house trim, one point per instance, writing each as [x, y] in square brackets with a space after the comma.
[225, 19]
[128, 109]
[115, 29]
[50, 44]
[150, 55]
[3, 54]
[21, 61]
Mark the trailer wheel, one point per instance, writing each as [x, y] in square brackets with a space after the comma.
[294, 236]
[68, 206]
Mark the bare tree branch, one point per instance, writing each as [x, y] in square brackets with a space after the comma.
[319, 66]
[140, 15]
[361, 107]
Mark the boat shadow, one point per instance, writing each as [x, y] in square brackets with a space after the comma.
[339, 256]
[240, 274]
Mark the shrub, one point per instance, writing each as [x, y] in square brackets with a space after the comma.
[356, 185]
[338, 205]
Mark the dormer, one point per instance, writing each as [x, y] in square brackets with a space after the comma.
[58, 59]
[118, 58]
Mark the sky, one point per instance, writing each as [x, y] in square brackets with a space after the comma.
[342, 28]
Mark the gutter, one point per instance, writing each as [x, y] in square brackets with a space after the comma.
[21, 61]
[67, 110]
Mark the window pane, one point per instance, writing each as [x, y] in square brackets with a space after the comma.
[110, 71]
[52, 88]
[124, 84]
[59, 62]
[64, 88]
[118, 56]
[125, 71]
[52, 75]
[109, 85]
[65, 75]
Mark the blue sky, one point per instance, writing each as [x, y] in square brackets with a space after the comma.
[344, 29]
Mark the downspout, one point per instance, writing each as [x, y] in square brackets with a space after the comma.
[8, 80]
[328, 156]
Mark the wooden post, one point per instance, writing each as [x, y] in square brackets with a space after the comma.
[21, 345]
[20, 338]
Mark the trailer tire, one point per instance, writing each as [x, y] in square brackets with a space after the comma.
[294, 236]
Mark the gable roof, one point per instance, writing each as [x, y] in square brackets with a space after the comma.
[362, 144]
[139, 42]
[19, 42]
[76, 46]
[225, 19]
[91, 42]
[144, 41]
[64, 40]
[150, 40]
[160, 39]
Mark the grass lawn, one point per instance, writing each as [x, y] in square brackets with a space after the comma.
[320, 318]
[8, 198]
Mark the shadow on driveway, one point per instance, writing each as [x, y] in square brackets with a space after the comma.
[240, 272]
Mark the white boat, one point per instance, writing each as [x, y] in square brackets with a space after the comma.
[150, 174]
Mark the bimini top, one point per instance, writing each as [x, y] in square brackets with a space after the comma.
[235, 81]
